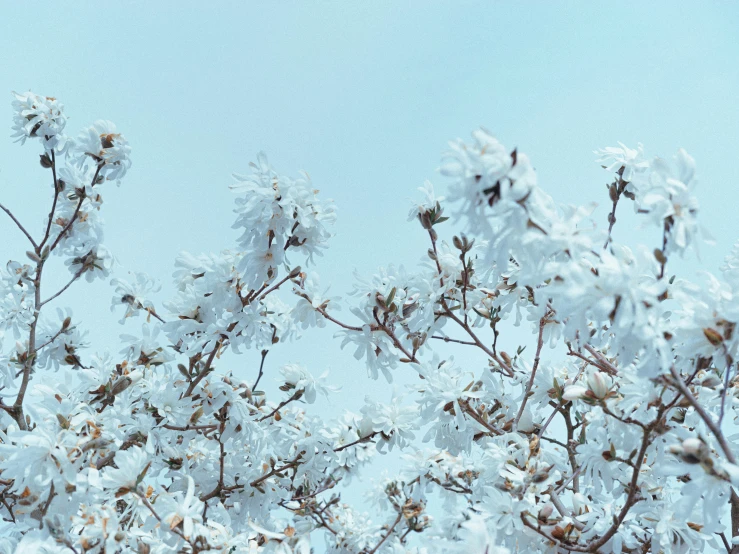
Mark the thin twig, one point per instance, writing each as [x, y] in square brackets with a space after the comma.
[387, 535]
[529, 386]
[53, 204]
[678, 382]
[20, 226]
[65, 287]
[358, 441]
[261, 369]
[296, 395]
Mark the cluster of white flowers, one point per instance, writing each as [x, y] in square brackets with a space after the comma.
[610, 439]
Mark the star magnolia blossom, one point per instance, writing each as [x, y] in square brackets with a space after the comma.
[611, 439]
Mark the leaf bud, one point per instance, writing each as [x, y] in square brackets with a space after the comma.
[195, 417]
[126, 381]
[713, 336]
[63, 421]
[613, 192]
[45, 161]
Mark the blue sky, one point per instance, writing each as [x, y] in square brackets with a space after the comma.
[364, 96]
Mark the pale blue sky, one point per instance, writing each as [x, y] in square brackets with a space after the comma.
[364, 96]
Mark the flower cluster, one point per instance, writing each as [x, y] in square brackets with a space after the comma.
[605, 434]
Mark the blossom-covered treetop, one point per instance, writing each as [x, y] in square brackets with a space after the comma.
[609, 432]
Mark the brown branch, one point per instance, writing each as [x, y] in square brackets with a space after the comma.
[478, 418]
[261, 369]
[387, 535]
[146, 503]
[464, 325]
[358, 441]
[220, 487]
[337, 322]
[203, 372]
[275, 287]
[52, 339]
[606, 366]
[295, 396]
[76, 212]
[208, 427]
[678, 382]
[45, 509]
[448, 339]
[20, 226]
[65, 287]
[275, 471]
[529, 386]
[53, 204]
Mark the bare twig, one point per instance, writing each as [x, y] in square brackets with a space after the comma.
[678, 382]
[53, 204]
[20, 226]
[387, 535]
[295, 396]
[529, 386]
[261, 369]
[65, 287]
[358, 441]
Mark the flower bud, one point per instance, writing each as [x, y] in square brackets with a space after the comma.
[599, 384]
[546, 511]
[574, 392]
[126, 381]
[613, 193]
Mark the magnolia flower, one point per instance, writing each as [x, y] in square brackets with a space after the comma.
[178, 510]
[130, 467]
[396, 423]
[475, 535]
[107, 148]
[631, 160]
[16, 309]
[95, 263]
[39, 117]
[299, 379]
[309, 299]
[599, 384]
[134, 295]
[429, 202]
